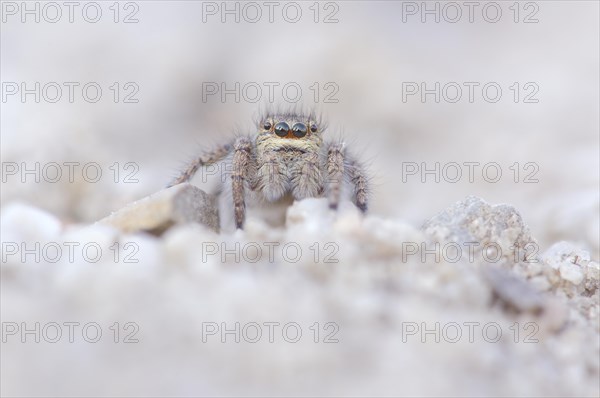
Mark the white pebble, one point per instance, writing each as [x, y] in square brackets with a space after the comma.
[572, 273]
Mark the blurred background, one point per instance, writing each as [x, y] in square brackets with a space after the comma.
[362, 56]
[364, 65]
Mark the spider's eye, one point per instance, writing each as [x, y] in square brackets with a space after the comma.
[281, 129]
[267, 126]
[314, 128]
[299, 130]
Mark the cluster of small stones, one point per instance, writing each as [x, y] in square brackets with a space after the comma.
[519, 278]
[374, 286]
[563, 270]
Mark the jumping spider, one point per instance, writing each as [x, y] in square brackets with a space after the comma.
[287, 157]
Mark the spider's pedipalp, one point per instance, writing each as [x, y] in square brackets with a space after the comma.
[307, 178]
[270, 176]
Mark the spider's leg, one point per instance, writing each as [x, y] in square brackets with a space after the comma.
[335, 172]
[242, 166]
[342, 166]
[205, 159]
[358, 176]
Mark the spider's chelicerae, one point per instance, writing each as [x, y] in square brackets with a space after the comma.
[287, 157]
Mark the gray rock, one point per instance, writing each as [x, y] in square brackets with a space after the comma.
[490, 226]
[513, 291]
[179, 204]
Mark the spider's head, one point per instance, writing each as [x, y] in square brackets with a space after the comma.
[291, 129]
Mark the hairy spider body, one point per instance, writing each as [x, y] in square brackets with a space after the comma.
[288, 157]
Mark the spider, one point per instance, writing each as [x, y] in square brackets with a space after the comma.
[286, 158]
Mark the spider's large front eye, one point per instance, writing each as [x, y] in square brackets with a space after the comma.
[281, 129]
[267, 125]
[299, 130]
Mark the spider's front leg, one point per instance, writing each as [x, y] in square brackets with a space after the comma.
[242, 169]
[358, 176]
[340, 165]
[205, 159]
[335, 173]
